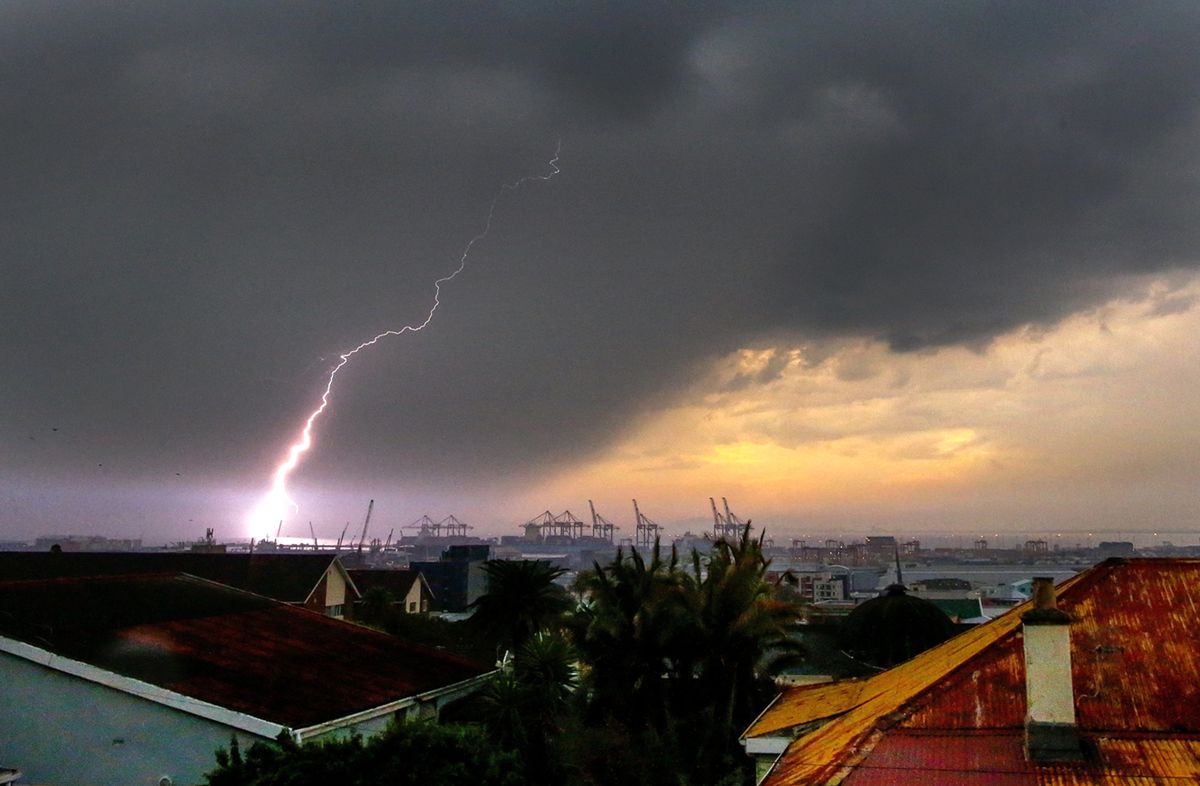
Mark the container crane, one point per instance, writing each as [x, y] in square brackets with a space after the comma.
[647, 530]
[601, 527]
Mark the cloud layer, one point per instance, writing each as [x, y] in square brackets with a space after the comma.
[203, 205]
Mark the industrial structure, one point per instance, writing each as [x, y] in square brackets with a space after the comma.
[647, 530]
[601, 527]
[449, 527]
[728, 526]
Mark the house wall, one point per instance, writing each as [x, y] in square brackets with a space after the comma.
[329, 596]
[335, 592]
[316, 600]
[67, 731]
[414, 596]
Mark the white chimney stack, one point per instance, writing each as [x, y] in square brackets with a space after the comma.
[1050, 731]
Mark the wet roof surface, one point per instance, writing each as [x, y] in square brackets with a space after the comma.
[247, 653]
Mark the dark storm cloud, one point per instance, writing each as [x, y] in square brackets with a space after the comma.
[203, 203]
[1029, 162]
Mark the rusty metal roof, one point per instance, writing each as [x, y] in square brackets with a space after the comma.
[244, 652]
[1136, 672]
[998, 759]
[806, 704]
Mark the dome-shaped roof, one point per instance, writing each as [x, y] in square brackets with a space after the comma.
[893, 627]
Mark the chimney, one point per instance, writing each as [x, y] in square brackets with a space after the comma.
[1050, 731]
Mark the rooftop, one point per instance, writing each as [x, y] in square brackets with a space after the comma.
[397, 582]
[237, 650]
[287, 577]
[955, 713]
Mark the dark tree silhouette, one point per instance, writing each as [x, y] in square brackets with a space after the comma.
[676, 659]
[409, 754]
[521, 600]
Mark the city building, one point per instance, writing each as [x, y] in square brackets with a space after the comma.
[457, 579]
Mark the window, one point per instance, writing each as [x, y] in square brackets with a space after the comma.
[334, 611]
[412, 606]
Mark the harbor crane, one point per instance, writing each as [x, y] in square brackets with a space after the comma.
[451, 526]
[362, 538]
[545, 524]
[647, 530]
[537, 526]
[424, 526]
[568, 525]
[601, 527]
[729, 525]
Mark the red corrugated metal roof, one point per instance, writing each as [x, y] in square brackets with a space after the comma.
[274, 661]
[1136, 671]
[998, 759]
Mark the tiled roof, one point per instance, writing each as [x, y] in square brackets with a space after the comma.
[273, 661]
[287, 577]
[1136, 673]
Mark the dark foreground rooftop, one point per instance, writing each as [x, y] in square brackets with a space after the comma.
[230, 648]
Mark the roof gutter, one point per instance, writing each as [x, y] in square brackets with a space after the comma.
[458, 688]
[142, 690]
[745, 735]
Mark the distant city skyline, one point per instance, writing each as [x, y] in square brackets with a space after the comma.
[857, 267]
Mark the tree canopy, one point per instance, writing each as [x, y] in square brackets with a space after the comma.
[408, 754]
[521, 600]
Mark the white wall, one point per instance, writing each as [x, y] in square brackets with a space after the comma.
[414, 596]
[335, 589]
[66, 731]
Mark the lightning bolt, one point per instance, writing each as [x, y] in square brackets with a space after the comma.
[277, 501]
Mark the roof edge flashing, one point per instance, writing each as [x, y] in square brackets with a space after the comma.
[142, 690]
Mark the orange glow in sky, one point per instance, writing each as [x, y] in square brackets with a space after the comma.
[851, 426]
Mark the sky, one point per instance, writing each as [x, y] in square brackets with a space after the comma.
[858, 267]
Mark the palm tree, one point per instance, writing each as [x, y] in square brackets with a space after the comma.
[746, 632]
[526, 707]
[679, 657]
[628, 630]
[522, 599]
